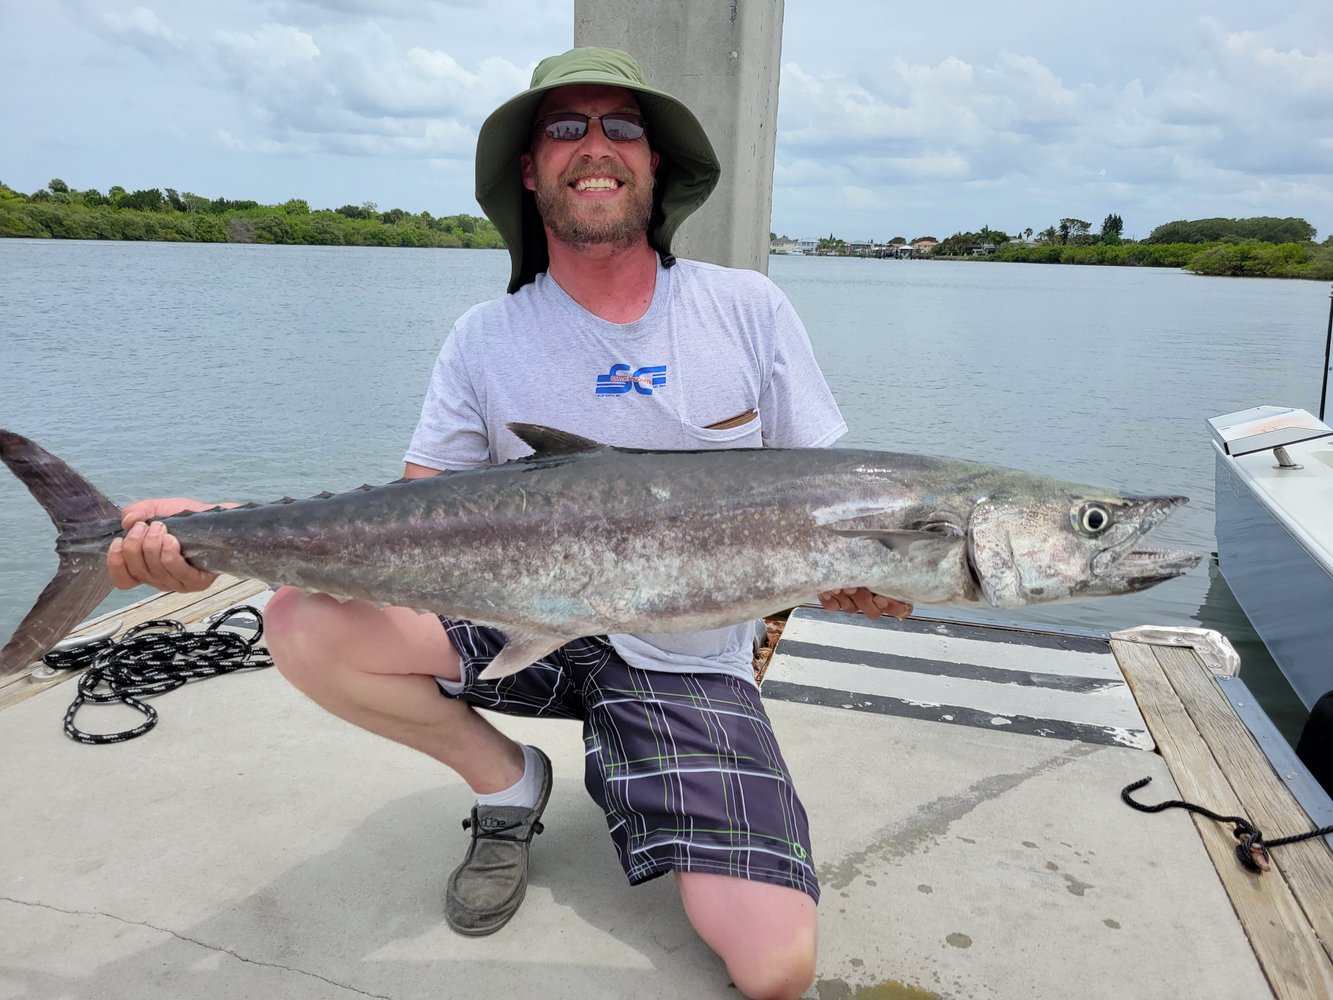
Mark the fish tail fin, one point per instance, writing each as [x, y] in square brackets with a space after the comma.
[81, 582]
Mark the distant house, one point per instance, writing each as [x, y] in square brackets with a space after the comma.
[782, 245]
[925, 246]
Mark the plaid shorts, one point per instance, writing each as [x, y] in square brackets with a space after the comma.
[685, 766]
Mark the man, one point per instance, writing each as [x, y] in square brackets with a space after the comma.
[587, 175]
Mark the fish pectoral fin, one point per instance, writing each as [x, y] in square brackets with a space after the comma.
[522, 650]
[897, 540]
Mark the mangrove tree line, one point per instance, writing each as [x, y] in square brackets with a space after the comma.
[57, 211]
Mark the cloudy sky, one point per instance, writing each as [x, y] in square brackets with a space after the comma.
[894, 118]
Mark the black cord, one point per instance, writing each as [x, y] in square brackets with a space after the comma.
[1252, 850]
[152, 659]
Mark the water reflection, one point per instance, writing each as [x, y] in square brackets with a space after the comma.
[249, 372]
[1221, 612]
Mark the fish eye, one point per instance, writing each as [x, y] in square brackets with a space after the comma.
[1094, 518]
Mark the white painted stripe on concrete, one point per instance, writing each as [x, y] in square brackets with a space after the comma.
[1110, 708]
[1036, 659]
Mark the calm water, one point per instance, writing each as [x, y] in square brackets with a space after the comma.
[250, 372]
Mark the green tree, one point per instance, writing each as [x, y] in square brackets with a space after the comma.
[274, 229]
[175, 216]
[147, 200]
[208, 228]
[14, 221]
[1264, 229]
[324, 230]
[957, 245]
[56, 186]
[1074, 232]
[1112, 228]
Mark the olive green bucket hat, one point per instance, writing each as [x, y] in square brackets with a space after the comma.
[687, 172]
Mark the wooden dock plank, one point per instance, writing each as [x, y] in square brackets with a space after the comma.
[187, 608]
[1307, 866]
[1282, 936]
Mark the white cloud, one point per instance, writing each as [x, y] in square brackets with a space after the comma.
[353, 90]
[334, 10]
[143, 30]
[924, 118]
[1222, 121]
[264, 147]
[861, 198]
[274, 47]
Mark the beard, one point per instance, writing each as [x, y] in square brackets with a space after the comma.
[619, 224]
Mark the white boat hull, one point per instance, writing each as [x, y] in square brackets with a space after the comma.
[1275, 536]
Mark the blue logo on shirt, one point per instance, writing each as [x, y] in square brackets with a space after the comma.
[619, 380]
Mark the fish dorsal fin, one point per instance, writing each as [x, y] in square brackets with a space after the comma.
[549, 442]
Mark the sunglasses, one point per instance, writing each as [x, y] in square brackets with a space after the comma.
[570, 126]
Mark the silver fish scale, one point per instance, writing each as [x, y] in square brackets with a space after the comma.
[603, 541]
[586, 539]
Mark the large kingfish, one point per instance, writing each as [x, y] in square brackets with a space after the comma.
[581, 538]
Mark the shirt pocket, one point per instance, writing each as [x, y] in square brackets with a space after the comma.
[745, 430]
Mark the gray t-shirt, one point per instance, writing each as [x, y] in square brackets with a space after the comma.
[716, 343]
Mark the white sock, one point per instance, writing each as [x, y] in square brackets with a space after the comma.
[523, 792]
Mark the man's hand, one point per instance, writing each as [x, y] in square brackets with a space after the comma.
[862, 600]
[149, 554]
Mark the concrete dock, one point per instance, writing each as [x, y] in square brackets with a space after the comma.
[252, 845]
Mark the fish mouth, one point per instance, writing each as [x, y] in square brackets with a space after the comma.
[1140, 568]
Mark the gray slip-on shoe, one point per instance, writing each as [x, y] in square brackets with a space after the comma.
[488, 887]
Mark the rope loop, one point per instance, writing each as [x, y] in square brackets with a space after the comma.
[153, 658]
[1251, 848]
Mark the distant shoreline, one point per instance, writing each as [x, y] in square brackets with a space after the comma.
[1308, 262]
[96, 239]
[151, 216]
[1245, 258]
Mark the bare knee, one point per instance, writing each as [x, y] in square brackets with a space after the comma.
[283, 613]
[319, 642]
[294, 639]
[766, 934]
[775, 970]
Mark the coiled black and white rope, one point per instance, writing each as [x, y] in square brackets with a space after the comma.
[152, 659]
